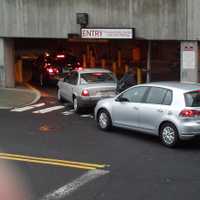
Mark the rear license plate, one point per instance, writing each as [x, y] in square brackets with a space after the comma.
[105, 94]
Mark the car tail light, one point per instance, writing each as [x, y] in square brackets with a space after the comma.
[85, 93]
[50, 70]
[98, 74]
[189, 113]
[56, 71]
[79, 68]
[60, 56]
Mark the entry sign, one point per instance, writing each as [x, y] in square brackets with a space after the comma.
[107, 33]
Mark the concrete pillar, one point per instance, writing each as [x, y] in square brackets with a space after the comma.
[84, 61]
[103, 63]
[114, 68]
[189, 61]
[18, 71]
[7, 69]
[148, 72]
[2, 65]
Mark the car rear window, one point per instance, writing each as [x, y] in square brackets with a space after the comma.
[192, 99]
[97, 77]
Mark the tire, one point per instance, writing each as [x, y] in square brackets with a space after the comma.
[169, 135]
[104, 121]
[76, 105]
[60, 98]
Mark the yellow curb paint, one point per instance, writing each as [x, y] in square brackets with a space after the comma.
[59, 162]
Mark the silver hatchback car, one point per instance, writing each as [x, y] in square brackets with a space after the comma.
[170, 110]
[84, 87]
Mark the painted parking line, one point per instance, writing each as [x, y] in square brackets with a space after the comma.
[47, 110]
[26, 108]
[69, 188]
[49, 161]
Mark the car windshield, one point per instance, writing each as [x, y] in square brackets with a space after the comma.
[97, 77]
[192, 99]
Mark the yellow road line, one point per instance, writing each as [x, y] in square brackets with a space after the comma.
[50, 161]
[46, 162]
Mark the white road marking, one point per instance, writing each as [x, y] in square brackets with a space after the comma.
[67, 189]
[87, 116]
[27, 107]
[50, 109]
[66, 113]
[67, 104]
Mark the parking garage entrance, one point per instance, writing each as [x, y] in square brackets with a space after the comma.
[160, 60]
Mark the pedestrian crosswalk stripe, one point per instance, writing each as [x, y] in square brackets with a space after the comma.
[50, 109]
[26, 108]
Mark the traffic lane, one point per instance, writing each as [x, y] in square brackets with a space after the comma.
[153, 171]
[18, 140]
[39, 133]
[136, 160]
[141, 162]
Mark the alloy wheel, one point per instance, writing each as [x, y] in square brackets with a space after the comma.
[103, 120]
[168, 135]
[75, 104]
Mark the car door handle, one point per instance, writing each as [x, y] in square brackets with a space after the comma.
[160, 110]
[135, 108]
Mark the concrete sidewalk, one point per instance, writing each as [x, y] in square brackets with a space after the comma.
[18, 97]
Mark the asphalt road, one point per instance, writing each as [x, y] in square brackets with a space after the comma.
[134, 165]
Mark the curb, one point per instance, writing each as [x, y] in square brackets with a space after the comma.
[37, 92]
[30, 89]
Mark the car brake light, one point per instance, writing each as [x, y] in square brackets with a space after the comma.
[79, 68]
[50, 70]
[98, 74]
[60, 56]
[85, 93]
[189, 113]
[56, 70]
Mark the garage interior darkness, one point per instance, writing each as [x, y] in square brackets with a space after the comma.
[115, 55]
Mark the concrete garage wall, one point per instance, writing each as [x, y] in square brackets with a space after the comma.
[7, 71]
[153, 19]
[193, 17]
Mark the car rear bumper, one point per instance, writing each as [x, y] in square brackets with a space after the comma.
[89, 101]
[189, 130]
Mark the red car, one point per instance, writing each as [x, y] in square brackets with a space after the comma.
[49, 68]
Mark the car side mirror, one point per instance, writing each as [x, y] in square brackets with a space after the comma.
[122, 99]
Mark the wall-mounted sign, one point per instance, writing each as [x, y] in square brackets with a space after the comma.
[107, 33]
[188, 55]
